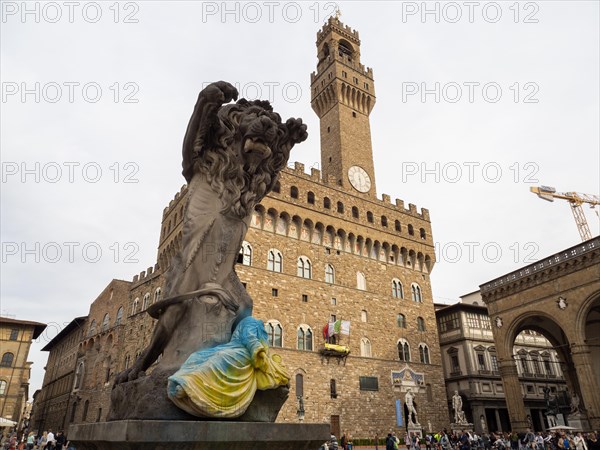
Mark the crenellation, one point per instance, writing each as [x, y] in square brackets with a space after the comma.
[400, 204]
[135, 278]
[413, 208]
[385, 198]
[299, 167]
[315, 174]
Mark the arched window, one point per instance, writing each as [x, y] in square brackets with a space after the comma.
[79, 372]
[326, 203]
[424, 353]
[422, 233]
[416, 293]
[361, 282]
[119, 316]
[305, 338]
[369, 217]
[157, 293]
[277, 187]
[275, 334]
[401, 320]
[420, 324]
[105, 322]
[403, 350]
[355, 212]
[2, 387]
[340, 207]
[397, 226]
[134, 306]
[146, 302]
[274, 261]
[310, 198]
[86, 406]
[127, 362]
[397, 289]
[245, 255]
[299, 385]
[294, 192]
[329, 274]
[92, 329]
[73, 411]
[304, 267]
[365, 347]
[411, 230]
[384, 221]
[7, 359]
[364, 317]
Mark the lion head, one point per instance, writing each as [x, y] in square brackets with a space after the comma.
[243, 152]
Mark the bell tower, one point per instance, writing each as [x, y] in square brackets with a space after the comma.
[343, 96]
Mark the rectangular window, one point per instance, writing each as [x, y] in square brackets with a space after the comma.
[368, 383]
[333, 388]
[481, 361]
[454, 363]
[449, 322]
[494, 359]
[333, 301]
[473, 320]
[274, 292]
[14, 334]
[304, 298]
[333, 318]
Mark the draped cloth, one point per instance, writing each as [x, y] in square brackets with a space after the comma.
[221, 381]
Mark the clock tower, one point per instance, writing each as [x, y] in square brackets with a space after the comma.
[343, 96]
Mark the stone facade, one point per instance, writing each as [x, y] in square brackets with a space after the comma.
[471, 367]
[15, 340]
[559, 297]
[317, 249]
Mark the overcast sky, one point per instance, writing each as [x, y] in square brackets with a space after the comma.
[96, 99]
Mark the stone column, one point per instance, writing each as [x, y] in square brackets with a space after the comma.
[587, 383]
[513, 394]
[498, 423]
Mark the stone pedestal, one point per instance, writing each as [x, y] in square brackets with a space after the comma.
[579, 422]
[415, 428]
[458, 427]
[184, 435]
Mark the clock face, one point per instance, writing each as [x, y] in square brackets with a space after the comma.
[359, 179]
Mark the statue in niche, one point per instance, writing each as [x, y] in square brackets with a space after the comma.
[232, 156]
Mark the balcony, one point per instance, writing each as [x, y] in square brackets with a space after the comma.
[456, 373]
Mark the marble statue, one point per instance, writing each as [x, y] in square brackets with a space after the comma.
[410, 406]
[457, 404]
[232, 156]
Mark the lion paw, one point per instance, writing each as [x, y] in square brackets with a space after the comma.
[296, 130]
[220, 92]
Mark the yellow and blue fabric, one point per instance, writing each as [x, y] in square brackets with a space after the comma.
[221, 381]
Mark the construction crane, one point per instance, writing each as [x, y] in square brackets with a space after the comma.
[575, 199]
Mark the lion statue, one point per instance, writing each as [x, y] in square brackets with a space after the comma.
[232, 156]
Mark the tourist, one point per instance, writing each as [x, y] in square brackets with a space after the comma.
[43, 440]
[592, 442]
[61, 440]
[579, 442]
[344, 441]
[30, 440]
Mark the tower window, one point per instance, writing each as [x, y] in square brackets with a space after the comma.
[384, 222]
[353, 114]
[328, 129]
[310, 198]
[277, 187]
[355, 212]
[274, 292]
[326, 203]
[397, 226]
[304, 298]
[422, 233]
[294, 192]
[411, 230]
[344, 74]
[340, 207]
[355, 80]
[370, 216]
[367, 86]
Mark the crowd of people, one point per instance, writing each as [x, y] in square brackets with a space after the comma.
[45, 441]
